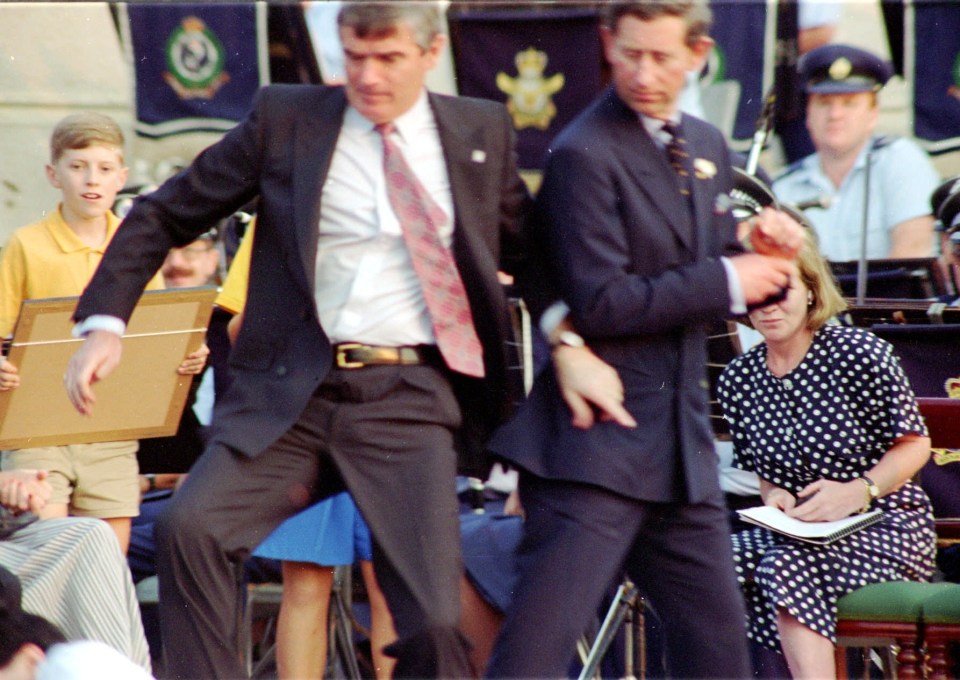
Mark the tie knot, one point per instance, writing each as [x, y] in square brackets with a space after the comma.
[385, 128]
[672, 129]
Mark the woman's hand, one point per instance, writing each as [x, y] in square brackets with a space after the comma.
[779, 498]
[825, 500]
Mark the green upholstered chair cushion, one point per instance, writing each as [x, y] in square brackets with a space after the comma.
[891, 601]
[943, 606]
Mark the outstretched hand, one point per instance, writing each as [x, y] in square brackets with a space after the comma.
[97, 357]
[590, 385]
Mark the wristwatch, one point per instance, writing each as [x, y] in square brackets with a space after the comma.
[569, 339]
[873, 492]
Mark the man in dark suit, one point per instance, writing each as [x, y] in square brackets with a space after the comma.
[645, 254]
[345, 372]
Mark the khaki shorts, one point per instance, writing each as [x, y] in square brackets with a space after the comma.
[94, 480]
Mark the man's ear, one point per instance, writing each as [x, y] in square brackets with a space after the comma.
[700, 50]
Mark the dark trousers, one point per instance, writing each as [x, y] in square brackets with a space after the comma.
[580, 538]
[386, 433]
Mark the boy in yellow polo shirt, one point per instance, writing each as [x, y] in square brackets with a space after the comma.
[56, 257]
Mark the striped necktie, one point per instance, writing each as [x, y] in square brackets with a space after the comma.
[679, 156]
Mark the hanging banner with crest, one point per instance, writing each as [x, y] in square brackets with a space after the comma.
[196, 67]
[545, 66]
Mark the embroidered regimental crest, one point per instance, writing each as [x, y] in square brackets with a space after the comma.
[530, 101]
[195, 60]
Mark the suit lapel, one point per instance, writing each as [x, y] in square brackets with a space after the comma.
[467, 161]
[315, 139]
[647, 163]
[703, 192]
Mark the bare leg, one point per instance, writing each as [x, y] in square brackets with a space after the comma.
[480, 622]
[382, 632]
[809, 654]
[302, 625]
[121, 527]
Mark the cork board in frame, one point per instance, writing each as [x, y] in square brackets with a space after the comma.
[143, 397]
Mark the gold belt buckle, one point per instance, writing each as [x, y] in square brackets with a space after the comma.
[342, 350]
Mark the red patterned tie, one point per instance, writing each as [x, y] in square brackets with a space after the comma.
[443, 289]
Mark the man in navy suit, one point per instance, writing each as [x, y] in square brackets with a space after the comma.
[338, 375]
[639, 229]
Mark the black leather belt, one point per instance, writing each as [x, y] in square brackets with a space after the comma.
[352, 355]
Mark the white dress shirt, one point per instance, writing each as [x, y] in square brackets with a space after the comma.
[366, 288]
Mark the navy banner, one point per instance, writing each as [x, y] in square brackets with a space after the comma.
[545, 66]
[936, 74]
[745, 38]
[196, 66]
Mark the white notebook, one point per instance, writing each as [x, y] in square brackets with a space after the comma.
[814, 532]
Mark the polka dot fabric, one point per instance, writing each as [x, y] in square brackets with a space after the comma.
[832, 417]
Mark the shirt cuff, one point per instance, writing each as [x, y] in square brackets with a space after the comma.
[738, 303]
[100, 322]
[552, 317]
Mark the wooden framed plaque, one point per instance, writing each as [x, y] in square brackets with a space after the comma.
[143, 397]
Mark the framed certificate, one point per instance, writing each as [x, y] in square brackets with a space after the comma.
[143, 397]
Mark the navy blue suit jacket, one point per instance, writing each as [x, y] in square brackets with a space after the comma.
[643, 279]
[280, 155]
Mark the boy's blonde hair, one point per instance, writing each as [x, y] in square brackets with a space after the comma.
[81, 130]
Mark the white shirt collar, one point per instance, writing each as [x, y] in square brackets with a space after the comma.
[407, 124]
[654, 126]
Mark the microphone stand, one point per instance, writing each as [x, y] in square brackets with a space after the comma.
[764, 124]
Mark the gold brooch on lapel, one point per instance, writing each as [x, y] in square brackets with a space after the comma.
[703, 168]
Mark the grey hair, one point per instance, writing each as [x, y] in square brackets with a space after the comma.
[380, 19]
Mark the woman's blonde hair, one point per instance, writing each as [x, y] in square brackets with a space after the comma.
[826, 299]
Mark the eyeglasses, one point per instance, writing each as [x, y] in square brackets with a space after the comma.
[191, 253]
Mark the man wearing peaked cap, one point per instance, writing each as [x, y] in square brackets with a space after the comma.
[842, 83]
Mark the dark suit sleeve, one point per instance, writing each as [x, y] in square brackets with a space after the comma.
[219, 182]
[618, 265]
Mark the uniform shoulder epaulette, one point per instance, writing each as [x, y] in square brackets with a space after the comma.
[789, 170]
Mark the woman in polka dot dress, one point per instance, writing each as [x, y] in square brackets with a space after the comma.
[826, 417]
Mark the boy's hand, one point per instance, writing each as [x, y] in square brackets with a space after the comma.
[95, 360]
[195, 361]
[9, 375]
[23, 490]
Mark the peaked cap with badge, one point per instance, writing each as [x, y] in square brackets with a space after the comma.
[843, 69]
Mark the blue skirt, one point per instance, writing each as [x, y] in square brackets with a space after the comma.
[329, 533]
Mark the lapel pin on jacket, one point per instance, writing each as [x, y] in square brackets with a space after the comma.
[478, 156]
[704, 168]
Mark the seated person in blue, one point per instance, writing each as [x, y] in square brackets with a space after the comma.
[843, 85]
[826, 417]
